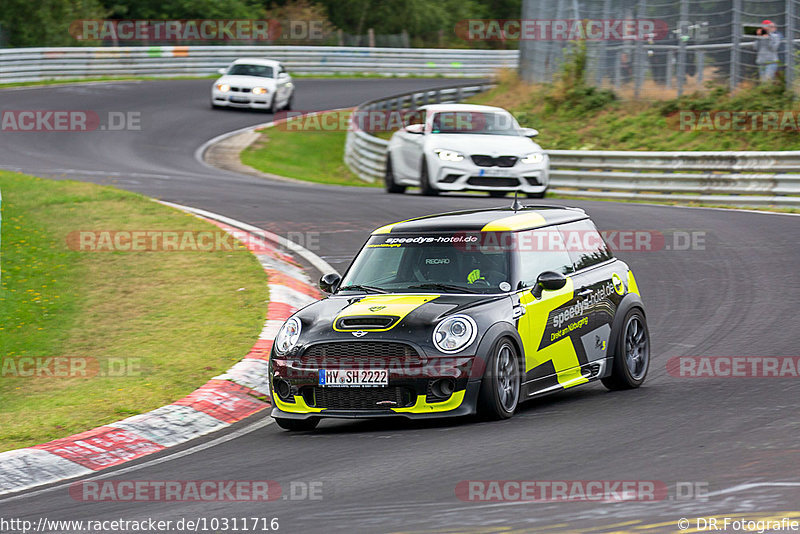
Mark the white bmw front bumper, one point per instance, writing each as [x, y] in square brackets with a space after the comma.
[465, 175]
[240, 99]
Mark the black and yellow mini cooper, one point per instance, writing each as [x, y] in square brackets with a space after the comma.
[464, 312]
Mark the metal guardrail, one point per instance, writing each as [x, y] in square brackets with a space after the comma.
[36, 64]
[733, 178]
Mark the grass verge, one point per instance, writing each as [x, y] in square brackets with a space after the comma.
[311, 152]
[164, 321]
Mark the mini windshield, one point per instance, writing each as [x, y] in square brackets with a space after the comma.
[438, 263]
[474, 122]
[245, 69]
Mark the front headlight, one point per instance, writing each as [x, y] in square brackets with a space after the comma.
[224, 87]
[288, 335]
[448, 155]
[536, 157]
[259, 91]
[454, 333]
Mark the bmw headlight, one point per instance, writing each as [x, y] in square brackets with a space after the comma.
[448, 155]
[259, 91]
[288, 335]
[455, 333]
[224, 87]
[536, 157]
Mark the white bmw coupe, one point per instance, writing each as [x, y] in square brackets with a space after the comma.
[253, 83]
[461, 147]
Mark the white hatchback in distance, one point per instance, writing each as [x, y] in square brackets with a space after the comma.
[253, 83]
[463, 147]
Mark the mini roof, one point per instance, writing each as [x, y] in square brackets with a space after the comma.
[486, 220]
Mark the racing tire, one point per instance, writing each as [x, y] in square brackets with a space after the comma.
[273, 105]
[388, 179]
[424, 182]
[289, 103]
[297, 425]
[497, 194]
[631, 355]
[536, 195]
[501, 385]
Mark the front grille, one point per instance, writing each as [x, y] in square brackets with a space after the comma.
[367, 322]
[362, 355]
[240, 89]
[358, 398]
[486, 181]
[499, 161]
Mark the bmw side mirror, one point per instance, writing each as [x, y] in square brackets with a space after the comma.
[415, 128]
[329, 283]
[550, 281]
[222, 70]
[530, 132]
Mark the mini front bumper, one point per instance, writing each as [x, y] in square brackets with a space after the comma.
[467, 405]
[409, 390]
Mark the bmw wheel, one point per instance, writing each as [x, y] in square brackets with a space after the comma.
[388, 179]
[297, 425]
[424, 181]
[500, 387]
[632, 354]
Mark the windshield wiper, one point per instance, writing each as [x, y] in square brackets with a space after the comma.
[445, 287]
[359, 287]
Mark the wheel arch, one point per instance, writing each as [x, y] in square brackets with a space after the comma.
[493, 334]
[629, 302]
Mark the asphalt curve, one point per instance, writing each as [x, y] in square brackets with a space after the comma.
[736, 295]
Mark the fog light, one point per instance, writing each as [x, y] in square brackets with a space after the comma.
[282, 388]
[443, 387]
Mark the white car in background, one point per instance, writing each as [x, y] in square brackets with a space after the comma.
[253, 83]
[461, 147]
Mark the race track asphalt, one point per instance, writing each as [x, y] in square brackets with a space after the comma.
[737, 295]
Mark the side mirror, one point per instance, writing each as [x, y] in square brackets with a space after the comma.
[223, 70]
[549, 280]
[329, 283]
[283, 75]
[415, 128]
[530, 132]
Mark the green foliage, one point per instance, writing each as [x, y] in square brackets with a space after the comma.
[570, 93]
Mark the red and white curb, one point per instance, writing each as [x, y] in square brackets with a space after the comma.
[235, 395]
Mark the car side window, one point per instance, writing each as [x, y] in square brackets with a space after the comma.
[539, 251]
[585, 244]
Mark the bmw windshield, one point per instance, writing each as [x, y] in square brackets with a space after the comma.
[440, 263]
[246, 69]
[474, 122]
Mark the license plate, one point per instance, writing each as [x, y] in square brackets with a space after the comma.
[353, 378]
[494, 172]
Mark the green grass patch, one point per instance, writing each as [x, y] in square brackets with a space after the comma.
[174, 319]
[311, 152]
